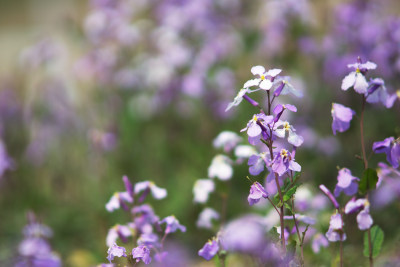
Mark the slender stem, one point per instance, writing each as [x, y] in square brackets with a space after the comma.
[362, 133]
[341, 251]
[270, 201]
[298, 233]
[281, 214]
[269, 103]
[371, 259]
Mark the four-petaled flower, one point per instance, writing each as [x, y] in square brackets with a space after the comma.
[364, 219]
[284, 128]
[356, 78]
[257, 124]
[148, 186]
[201, 189]
[119, 199]
[284, 161]
[335, 231]
[264, 80]
[391, 148]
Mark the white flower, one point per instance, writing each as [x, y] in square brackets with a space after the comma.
[264, 80]
[206, 217]
[220, 167]
[201, 189]
[227, 140]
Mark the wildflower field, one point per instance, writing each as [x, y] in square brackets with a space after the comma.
[199, 133]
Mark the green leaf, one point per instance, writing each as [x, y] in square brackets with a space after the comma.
[273, 235]
[368, 181]
[289, 208]
[290, 192]
[377, 237]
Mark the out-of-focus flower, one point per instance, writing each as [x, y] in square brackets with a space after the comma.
[319, 241]
[257, 191]
[221, 168]
[157, 192]
[201, 189]
[341, 117]
[227, 140]
[346, 183]
[172, 225]
[119, 199]
[244, 151]
[302, 218]
[377, 92]
[279, 109]
[209, 250]
[206, 217]
[391, 147]
[118, 231]
[364, 219]
[141, 253]
[115, 251]
[257, 163]
[335, 231]
[282, 86]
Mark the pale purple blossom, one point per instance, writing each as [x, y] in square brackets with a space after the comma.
[264, 80]
[391, 148]
[341, 117]
[157, 192]
[115, 251]
[172, 225]
[257, 124]
[141, 253]
[209, 250]
[257, 191]
[283, 162]
[206, 217]
[346, 183]
[257, 163]
[319, 241]
[356, 78]
[335, 231]
[119, 199]
[364, 219]
[284, 129]
[377, 92]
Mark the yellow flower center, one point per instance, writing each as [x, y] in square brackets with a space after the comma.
[255, 118]
[286, 126]
[284, 153]
[262, 77]
[358, 70]
[398, 93]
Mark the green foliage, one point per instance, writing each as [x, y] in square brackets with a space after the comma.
[377, 237]
[273, 235]
[368, 181]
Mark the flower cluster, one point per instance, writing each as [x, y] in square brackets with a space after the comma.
[35, 249]
[145, 228]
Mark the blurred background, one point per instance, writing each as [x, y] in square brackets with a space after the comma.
[94, 90]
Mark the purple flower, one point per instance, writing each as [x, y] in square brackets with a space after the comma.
[377, 93]
[257, 163]
[149, 240]
[206, 217]
[279, 109]
[302, 218]
[341, 117]
[128, 185]
[257, 191]
[118, 231]
[335, 231]
[329, 195]
[257, 124]
[141, 253]
[356, 78]
[364, 219]
[283, 162]
[346, 183]
[288, 129]
[282, 86]
[172, 225]
[146, 186]
[119, 199]
[209, 250]
[115, 251]
[392, 149]
[319, 241]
